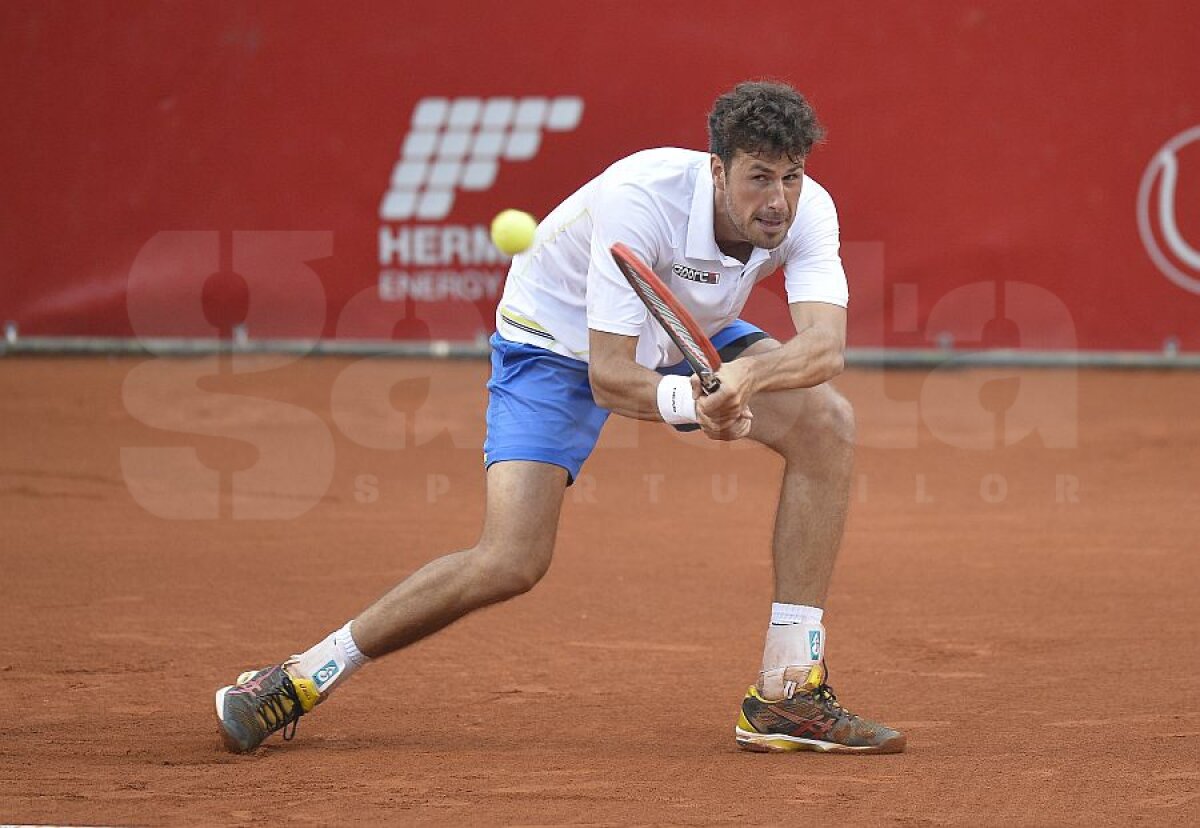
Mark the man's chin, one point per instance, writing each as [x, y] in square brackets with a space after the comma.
[769, 241]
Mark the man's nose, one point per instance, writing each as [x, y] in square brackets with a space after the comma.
[776, 199]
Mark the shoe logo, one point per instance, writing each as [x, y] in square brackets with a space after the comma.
[814, 727]
[326, 674]
[252, 685]
[814, 645]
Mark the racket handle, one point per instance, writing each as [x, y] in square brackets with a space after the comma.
[709, 383]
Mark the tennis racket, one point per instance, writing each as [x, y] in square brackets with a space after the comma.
[674, 318]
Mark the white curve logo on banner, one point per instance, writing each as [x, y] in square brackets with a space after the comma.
[1164, 168]
[458, 144]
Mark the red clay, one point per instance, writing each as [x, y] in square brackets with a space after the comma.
[1028, 615]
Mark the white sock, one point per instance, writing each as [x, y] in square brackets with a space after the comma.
[795, 614]
[795, 646]
[330, 662]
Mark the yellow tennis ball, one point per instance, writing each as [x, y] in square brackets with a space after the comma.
[512, 231]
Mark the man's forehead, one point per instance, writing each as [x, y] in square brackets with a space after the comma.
[770, 162]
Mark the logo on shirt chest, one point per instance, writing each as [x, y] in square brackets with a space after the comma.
[704, 277]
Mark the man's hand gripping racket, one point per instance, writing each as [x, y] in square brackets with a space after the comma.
[679, 325]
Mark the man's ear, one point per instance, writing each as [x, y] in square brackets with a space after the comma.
[718, 171]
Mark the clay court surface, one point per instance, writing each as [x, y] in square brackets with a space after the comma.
[1027, 614]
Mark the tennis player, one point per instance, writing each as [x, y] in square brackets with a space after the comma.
[574, 344]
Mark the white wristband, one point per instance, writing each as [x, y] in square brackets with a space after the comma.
[675, 401]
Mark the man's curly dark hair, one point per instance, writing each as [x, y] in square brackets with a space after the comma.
[762, 117]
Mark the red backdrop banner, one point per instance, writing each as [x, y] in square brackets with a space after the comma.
[1008, 173]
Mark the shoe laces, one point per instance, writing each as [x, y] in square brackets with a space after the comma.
[824, 693]
[276, 714]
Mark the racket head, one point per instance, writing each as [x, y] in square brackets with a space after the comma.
[674, 318]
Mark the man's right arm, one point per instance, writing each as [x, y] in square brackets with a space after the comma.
[618, 382]
[631, 390]
[616, 315]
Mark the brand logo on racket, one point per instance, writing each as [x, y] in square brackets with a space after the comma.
[704, 277]
[1174, 255]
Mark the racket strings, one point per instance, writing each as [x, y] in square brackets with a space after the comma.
[680, 334]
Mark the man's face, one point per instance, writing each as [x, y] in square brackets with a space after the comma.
[755, 198]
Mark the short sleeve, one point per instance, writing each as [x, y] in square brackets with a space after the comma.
[624, 213]
[813, 271]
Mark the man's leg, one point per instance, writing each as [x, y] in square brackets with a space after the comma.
[514, 550]
[513, 553]
[791, 707]
[812, 429]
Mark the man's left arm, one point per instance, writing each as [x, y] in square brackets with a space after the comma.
[813, 356]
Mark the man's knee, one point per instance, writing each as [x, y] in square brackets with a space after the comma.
[822, 420]
[506, 572]
[835, 417]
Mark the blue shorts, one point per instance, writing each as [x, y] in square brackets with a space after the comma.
[540, 404]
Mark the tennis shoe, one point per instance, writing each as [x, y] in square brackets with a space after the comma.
[809, 717]
[262, 702]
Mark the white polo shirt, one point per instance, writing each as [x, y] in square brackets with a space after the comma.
[660, 203]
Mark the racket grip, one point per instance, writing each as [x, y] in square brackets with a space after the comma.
[709, 383]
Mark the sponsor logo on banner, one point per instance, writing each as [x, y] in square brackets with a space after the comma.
[456, 146]
[1159, 198]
